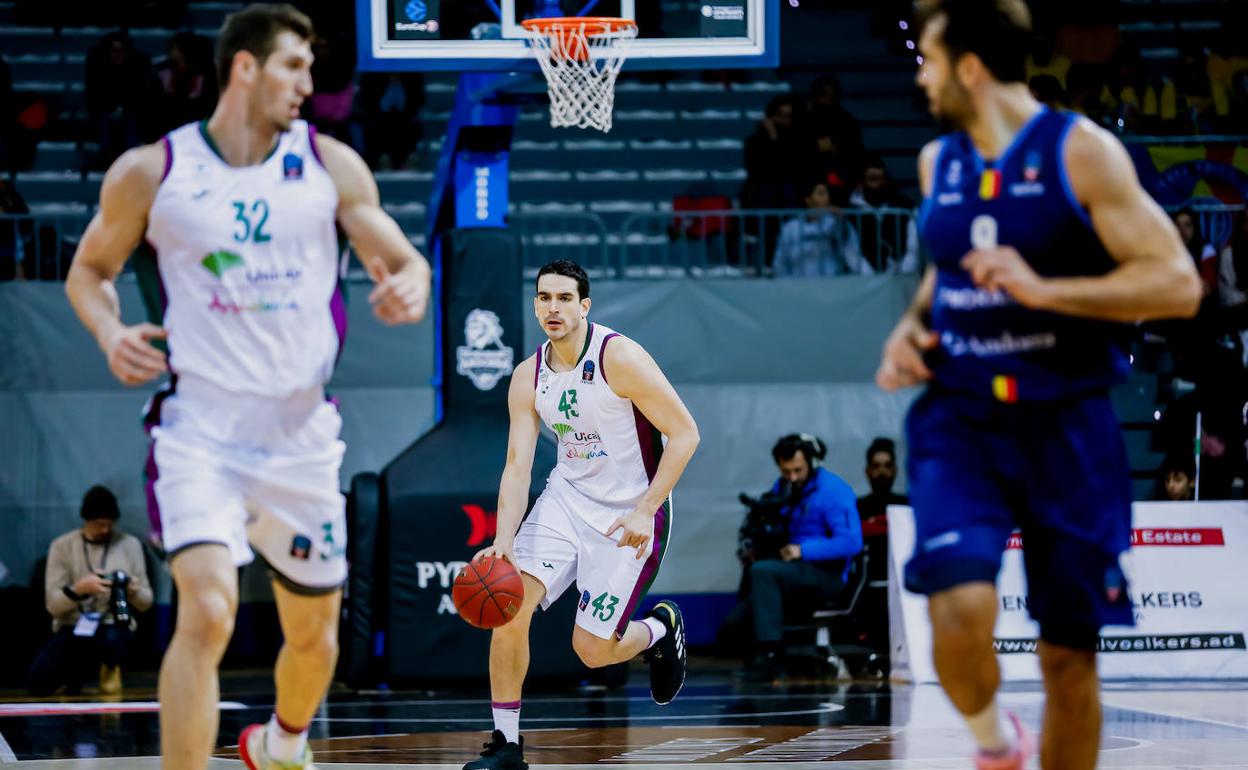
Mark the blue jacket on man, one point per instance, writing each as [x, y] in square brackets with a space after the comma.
[824, 521]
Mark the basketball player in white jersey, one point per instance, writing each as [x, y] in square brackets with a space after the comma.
[241, 212]
[604, 519]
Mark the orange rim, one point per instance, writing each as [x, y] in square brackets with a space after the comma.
[594, 25]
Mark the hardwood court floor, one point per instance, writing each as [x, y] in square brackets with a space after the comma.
[860, 726]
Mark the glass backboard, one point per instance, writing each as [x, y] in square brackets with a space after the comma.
[485, 35]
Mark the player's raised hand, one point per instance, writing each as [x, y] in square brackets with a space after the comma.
[131, 357]
[638, 531]
[499, 550]
[398, 298]
[1003, 269]
[902, 364]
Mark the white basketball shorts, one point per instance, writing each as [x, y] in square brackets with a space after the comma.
[557, 544]
[252, 472]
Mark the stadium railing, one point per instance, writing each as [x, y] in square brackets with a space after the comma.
[662, 244]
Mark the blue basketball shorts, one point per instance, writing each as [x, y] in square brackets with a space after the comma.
[1057, 471]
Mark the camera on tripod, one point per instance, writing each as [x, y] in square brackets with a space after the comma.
[766, 529]
[118, 600]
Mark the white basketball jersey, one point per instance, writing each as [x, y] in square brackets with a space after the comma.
[608, 450]
[249, 264]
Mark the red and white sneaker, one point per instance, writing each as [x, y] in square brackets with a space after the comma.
[1015, 760]
[256, 757]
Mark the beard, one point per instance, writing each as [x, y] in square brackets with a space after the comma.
[954, 109]
[881, 485]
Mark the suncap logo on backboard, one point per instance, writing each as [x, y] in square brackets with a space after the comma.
[485, 359]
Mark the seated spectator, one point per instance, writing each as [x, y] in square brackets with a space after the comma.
[330, 105]
[873, 507]
[1203, 254]
[818, 512]
[890, 242]
[96, 579]
[831, 134]
[1084, 85]
[821, 243]
[1227, 64]
[772, 159]
[188, 84]
[1048, 91]
[1044, 61]
[1176, 479]
[1129, 100]
[13, 233]
[390, 102]
[118, 91]
[1233, 285]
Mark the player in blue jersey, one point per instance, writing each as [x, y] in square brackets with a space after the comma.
[1043, 245]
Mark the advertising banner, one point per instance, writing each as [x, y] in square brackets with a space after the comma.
[1187, 569]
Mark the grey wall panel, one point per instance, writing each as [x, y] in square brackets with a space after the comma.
[752, 359]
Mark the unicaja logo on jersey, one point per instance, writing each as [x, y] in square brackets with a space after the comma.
[485, 359]
[562, 429]
[218, 262]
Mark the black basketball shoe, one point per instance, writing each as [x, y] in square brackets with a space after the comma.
[500, 755]
[667, 658]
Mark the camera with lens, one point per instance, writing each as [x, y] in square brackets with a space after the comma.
[766, 528]
[118, 601]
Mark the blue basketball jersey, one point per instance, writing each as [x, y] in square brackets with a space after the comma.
[991, 346]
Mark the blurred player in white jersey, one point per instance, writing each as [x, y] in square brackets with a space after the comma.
[241, 211]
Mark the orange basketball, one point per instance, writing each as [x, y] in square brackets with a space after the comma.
[488, 592]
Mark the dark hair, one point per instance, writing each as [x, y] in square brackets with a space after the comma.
[1046, 88]
[826, 81]
[776, 102]
[99, 503]
[811, 448]
[997, 31]
[813, 182]
[255, 29]
[1182, 463]
[568, 269]
[874, 160]
[882, 444]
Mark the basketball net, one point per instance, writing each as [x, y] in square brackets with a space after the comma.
[581, 57]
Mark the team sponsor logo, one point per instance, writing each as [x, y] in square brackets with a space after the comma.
[1152, 536]
[221, 261]
[579, 445]
[1031, 166]
[584, 453]
[484, 523]
[1026, 189]
[587, 372]
[228, 306]
[949, 199]
[301, 547]
[292, 167]
[943, 540]
[485, 359]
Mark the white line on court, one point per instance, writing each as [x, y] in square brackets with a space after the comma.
[6, 751]
[823, 708]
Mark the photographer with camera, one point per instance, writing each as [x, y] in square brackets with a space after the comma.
[96, 579]
[796, 546]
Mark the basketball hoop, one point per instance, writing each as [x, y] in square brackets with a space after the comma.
[581, 58]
